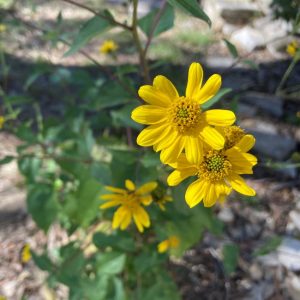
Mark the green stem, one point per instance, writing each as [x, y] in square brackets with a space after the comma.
[287, 73]
[137, 41]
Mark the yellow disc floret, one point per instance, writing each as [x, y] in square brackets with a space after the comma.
[215, 166]
[233, 135]
[185, 115]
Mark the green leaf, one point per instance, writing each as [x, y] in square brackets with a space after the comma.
[119, 289]
[216, 98]
[121, 241]
[89, 30]
[252, 64]
[82, 206]
[42, 204]
[270, 245]
[192, 7]
[230, 258]
[232, 49]
[42, 261]
[110, 263]
[166, 21]
[6, 160]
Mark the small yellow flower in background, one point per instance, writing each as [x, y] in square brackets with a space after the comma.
[3, 297]
[161, 198]
[218, 171]
[130, 202]
[2, 28]
[2, 121]
[26, 254]
[298, 114]
[108, 46]
[292, 48]
[177, 123]
[170, 243]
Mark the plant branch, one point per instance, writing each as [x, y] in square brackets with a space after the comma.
[154, 25]
[104, 69]
[137, 41]
[112, 21]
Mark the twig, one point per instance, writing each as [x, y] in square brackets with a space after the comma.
[136, 38]
[112, 21]
[154, 25]
[82, 52]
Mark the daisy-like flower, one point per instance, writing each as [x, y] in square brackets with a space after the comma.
[177, 123]
[292, 48]
[170, 243]
[108, 46]
[161, 198]
[218, 171]
[130, 202]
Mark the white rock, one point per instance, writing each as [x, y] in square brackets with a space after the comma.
[248, 38]
[226, 215]
[289, 254]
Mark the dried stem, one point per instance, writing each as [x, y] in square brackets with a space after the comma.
[112, 21]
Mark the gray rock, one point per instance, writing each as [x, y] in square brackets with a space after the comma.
[270, 104]
[226, 215]
[246, 110]
[274, 146]
[289, 254]
[248, 38]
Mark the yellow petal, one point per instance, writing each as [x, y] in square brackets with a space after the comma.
[242, 162]
[194, 149]
[146, 200]
[115, 190]
[194, 80]
[119, 216]
[219, 117]
[212, 137]
[168, 138]
[196, 192]
[112, 197]
[211, 196]
[181, 162]
[210, 89]
[153, 96]
[146, 188]
[163, 246]
[110, 204]
[170, 154]
[142, 216]
[238, 184]
[164, 85]
[151, 135]
[129, 185]
[126, 221]
[148, 114]
[179, 175]
[246, 143]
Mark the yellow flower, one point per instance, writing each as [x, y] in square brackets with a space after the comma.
[3, 297]
[292, 48]
[218, 171]
[178, 123]
[298, 114]
[2, 28]
[130, 203]
[108, 46]
[26, 254]
[172, 242]
[2, 121]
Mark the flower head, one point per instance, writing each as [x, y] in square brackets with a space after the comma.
[178, 123]
[218, 171]
[130, 202]
[26, 254]
[108, 46]
[292, 48]
[170, 243]
[2, 28]
[2, 121]
[160, 197]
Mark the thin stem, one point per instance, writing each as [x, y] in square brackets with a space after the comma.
[137, 41]
[111, 20]
[82, 52]
[287, 73]
[154, 25]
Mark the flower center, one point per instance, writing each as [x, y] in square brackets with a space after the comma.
[215, 166]
[185, 115]
[233, 135]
